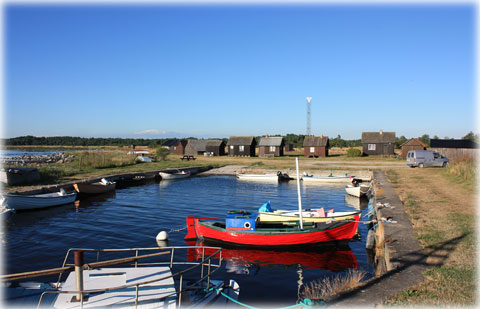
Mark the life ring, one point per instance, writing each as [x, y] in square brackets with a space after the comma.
[247, 225]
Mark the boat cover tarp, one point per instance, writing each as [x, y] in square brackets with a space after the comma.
[265, 207]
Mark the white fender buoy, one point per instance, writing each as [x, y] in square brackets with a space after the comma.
[162, 236]
[162, 243]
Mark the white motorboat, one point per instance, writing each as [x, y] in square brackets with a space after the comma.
[175, 175]
[279, 176]
[258, 177]
[36, 201]
[327, 179]
[358, 189]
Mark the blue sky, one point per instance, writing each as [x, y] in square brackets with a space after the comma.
[162, 70]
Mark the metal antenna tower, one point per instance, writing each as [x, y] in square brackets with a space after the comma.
[309, 99]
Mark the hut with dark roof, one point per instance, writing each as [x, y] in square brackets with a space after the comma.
[378, 143]
[271, 146]
[454, 148]
[216, 147]
[241, 146]
[412, 144]
[176, 146]
[196, 147]
[315, 146]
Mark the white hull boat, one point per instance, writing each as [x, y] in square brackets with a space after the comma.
[176, 175]
[37, 201]
[327, 179]
[258, 177]
[357, 190]
[279, 176]
[312, 215]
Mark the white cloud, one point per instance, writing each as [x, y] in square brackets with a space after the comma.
[150, 132]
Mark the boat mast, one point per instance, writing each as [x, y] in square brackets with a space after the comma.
[300, 215]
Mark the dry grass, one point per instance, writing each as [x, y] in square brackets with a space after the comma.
[443, 214]
[329, 287]
[463, 171]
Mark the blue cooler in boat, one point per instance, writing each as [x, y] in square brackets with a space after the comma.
[241, 221]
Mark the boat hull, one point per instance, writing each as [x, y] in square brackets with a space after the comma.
[357, 191]
[94, 188]
[327, 179]
[27, 202]
[287, 236]
[258, 177]
[168, 176]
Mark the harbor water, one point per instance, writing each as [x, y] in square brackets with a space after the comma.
[132, 217]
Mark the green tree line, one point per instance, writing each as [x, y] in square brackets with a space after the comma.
[294, 139]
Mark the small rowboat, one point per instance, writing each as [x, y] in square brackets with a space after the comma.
[268, 235]
[36, 201]
[258, 177]
[279, 176]
[313, 215]
[357, 190]
[176, 175]
[95, 187]
[311, 178]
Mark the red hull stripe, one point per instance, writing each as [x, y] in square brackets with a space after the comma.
[278, 238]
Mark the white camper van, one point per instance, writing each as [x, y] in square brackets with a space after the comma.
[425, 158]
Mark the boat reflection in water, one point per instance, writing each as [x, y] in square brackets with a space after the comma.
[355, 202]
[334, 258]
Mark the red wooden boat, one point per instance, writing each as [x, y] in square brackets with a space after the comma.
[270, 235]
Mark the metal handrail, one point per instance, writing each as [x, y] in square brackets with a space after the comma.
[198, 264]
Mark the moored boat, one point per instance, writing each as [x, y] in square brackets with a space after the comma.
[357, 189]
[96, 187]
[244, 229]
[279, 176]
[157, 282]
[175, 175]
[257, 177]
[330, 178]
[37, 201]
[308, 215]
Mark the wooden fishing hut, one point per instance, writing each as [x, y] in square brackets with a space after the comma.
[378, 143]
[271, 146]
[241, 146]
[315, 146]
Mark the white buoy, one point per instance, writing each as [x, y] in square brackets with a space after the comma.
[162, 236]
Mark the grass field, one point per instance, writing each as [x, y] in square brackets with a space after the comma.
[441, 204]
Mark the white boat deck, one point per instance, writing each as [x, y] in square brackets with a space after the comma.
[153, 295]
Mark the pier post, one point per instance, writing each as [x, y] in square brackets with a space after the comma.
[79, 273]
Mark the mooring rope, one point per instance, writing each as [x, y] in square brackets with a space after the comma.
[304, 303]
[177, 230]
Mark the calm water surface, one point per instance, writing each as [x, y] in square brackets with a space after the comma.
[132, 217]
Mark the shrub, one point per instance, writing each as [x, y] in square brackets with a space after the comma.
[258, 163]
[353, 152]
[162, 153]
[463, 169]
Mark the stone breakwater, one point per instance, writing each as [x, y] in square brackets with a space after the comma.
[33, 159]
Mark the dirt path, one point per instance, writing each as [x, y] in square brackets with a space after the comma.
[443, 214]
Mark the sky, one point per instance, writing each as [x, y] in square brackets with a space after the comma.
[212, 70]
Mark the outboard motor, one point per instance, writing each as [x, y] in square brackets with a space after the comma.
[356, 182]
[283, 177]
